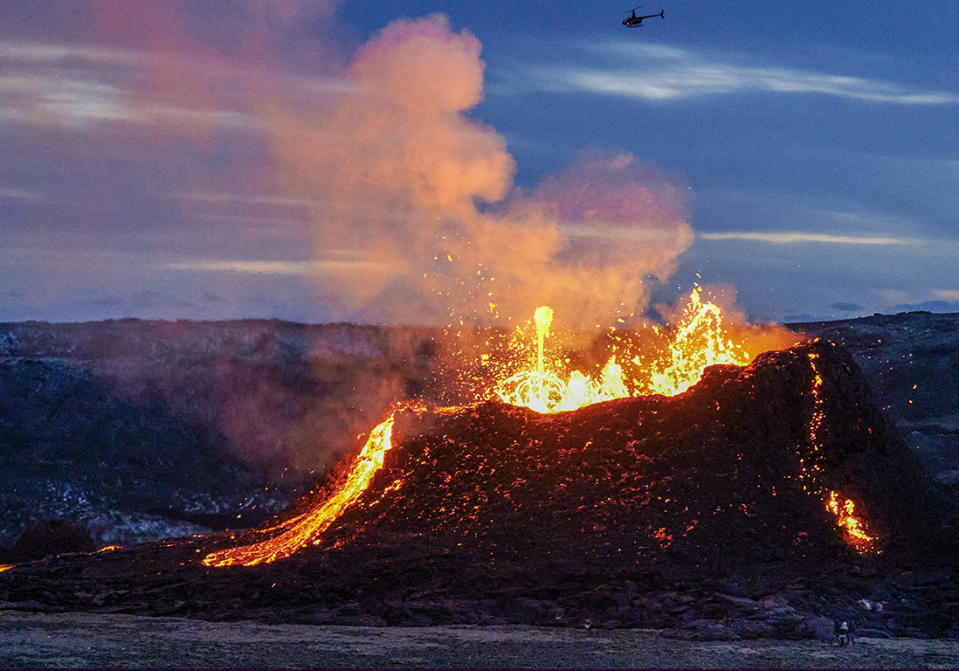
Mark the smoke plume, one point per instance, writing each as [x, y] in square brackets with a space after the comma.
[412, 213]
[419, 219]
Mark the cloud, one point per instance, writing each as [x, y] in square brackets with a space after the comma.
[25, 195]
[181, 66]
[352, 267]
[847, 307]
[946, 294]
[801, 237]
[68, 98]
[424, 193]
[671, 73]
[246, 199]
[250, 267]
[34, 52]
[237, 142]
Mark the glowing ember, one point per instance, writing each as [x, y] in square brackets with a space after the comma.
[109, 548]
[308, 527]
[6, 567]
[700, 341]
[810, 470]
[851, 525]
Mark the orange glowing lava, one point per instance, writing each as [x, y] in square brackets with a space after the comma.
[810, 472]
[308, 528]
[698, 341]
[6, 567]
[701, 340]
[546, 391]
[852, 526]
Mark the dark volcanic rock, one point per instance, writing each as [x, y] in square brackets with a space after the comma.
[145, 430]
[52, 537]
[702, 514]
[911, 361]
[725, 473]
[150, 429]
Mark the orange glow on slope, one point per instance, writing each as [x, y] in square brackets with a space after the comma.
[310, 526]
[851, 525]
[6, 567]
[810, 468]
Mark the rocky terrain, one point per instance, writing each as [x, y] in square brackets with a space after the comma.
[699, 515]
[911, 361]
[145, 430]
[85, 640]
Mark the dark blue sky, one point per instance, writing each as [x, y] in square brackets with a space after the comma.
[816, 144]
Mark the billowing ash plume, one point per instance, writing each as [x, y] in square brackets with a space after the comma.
[419, 220]
[414, 214]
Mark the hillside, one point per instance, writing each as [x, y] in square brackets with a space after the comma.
[705, 514]
[145, 429]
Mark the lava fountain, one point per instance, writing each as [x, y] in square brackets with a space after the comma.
[700, 340]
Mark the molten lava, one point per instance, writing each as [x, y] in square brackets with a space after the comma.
[306, 528]
[810, 473]
[700, 340]
[6, 567]
[851, 526]
[546, 391]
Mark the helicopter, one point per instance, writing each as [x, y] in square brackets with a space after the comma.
[634, 21]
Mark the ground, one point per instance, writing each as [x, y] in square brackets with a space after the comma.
[84, 640]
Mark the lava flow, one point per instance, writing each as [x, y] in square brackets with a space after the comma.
[850, 524]
[301, 530]
[699, 341]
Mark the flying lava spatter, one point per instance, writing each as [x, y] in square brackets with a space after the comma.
[700, 340]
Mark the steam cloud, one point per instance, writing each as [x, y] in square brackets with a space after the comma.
[419, 218]
[415, 216]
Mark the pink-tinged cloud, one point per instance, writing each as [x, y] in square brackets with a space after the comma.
[410, 182]
[414, 212]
